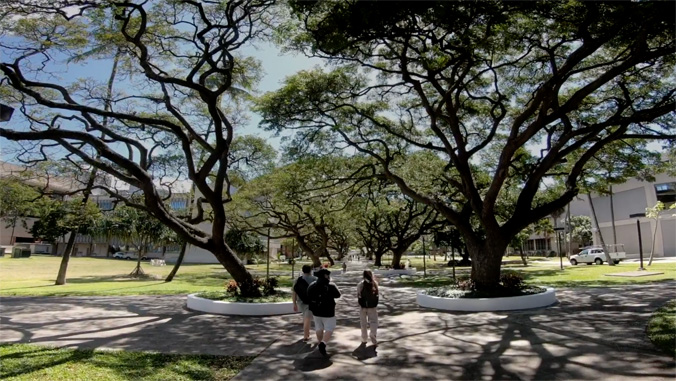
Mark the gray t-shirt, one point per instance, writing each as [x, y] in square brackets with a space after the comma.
[309, 278]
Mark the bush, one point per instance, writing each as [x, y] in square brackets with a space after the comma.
[255, 288]
[511, 280]
[552, 253]
[466, 284]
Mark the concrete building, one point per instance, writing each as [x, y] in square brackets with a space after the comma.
[632, 197]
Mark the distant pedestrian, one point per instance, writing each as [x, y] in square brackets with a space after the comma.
[368, 296]
[301, 302]
[322, 294]
[344, 267]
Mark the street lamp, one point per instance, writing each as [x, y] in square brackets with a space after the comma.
[424, 262]
[558, 240]
[640, 243]
[5, 113]
[270, 224]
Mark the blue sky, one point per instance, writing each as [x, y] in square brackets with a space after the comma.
[276, 66]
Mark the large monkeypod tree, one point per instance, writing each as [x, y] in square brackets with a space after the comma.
[181, 99]
[542, 86]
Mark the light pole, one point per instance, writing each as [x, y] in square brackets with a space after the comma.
[424, 262]
[558, 241]
[267, 261]
[640, 242]
[293, 256]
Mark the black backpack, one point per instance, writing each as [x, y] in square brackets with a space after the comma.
[300, 288]
[368, 299]
[318, 296]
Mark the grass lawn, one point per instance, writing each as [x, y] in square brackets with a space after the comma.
[30, 362]
[548, 274]
[662, 328]
[35, 276]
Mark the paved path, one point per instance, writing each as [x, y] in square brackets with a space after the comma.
[594, 333]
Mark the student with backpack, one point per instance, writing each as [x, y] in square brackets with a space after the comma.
[323, 294]
[301, 302]
[368, 295]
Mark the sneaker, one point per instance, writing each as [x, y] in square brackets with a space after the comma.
[322, 348]
[375, 342]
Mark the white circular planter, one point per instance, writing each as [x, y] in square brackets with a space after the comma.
[232, 308]
[389, 272]
[543, 299]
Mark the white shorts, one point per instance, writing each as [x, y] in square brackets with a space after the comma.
[325, 323]
[304, 309]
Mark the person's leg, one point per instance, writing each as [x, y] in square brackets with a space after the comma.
[307, 321]
[373, 324]
[319, 328]
[327, 336]
[329, 326]
[362, 322]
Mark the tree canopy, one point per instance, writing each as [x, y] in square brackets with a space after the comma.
[527, 92]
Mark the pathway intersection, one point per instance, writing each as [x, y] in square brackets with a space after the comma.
[593, 333]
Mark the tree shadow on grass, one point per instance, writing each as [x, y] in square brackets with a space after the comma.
[128, 365]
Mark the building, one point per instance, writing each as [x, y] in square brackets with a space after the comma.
[633, 197]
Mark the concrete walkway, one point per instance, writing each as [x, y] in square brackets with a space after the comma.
[594, 333]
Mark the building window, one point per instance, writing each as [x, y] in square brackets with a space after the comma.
[666, 193]
[178, 204]
[105, 204]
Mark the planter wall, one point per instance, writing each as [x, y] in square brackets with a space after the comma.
[544, 299]
[388, 272]
[231, 308]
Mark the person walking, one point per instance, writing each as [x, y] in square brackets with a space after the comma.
[368, 296]
[322, 294]
[301, 302]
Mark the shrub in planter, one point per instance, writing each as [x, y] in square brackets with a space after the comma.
[256, 288]
[511, 280]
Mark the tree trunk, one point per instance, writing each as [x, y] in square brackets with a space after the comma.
[63, 268]
[523, 257]
[603, 242]
[307, 250]
[486, 262]
[138, 271]
[181, 254]
[397, 253]
[233, 265]
[378, 258]
[652, 246]
[612, 216]
[331, 261]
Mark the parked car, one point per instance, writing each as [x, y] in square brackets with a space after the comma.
[123, 255]
[596, 254]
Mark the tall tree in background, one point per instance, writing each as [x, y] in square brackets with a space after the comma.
[57, 218]
[184, 109]
[458, 78]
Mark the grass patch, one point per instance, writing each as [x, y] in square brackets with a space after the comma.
[662, 328]
[548, 274]
[31, 362]
[278, 297]
[35, 276]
